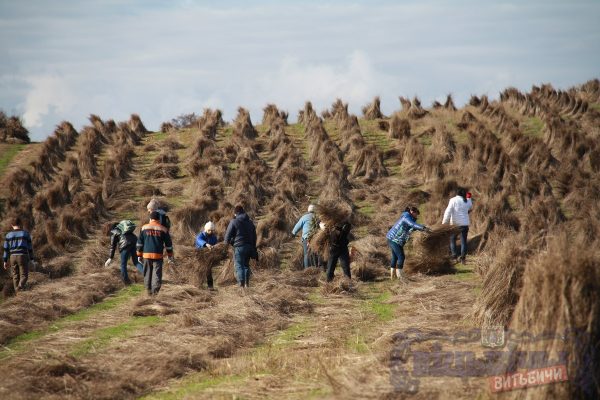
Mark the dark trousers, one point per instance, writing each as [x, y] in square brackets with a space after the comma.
[126, 254]
[152, 275]
[343, 255]
[209, 277]
[464, 230]
[20, 270]
[397, 254]
[241, 259]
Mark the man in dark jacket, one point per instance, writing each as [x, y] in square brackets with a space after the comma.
[18, 251]
[163, 218]
[241, 234]
[123, 238]
[153, 241]
[338, 249]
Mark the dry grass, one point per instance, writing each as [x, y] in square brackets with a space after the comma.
[560, 295]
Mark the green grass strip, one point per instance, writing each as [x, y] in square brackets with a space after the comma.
[20, 342]
[102, 337]
[9, 151]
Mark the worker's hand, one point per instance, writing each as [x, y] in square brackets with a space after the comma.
[107, 263]
[428, 229]
[209, 246]
[5, 265]
[171, 260]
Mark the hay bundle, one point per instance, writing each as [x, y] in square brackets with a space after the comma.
[369, 163]
[331, 213]
[399, 127]
[170, 171]
[268, 259]
[368, 258]
[227, 274]
[449, 104]
[430, 252]
[416, 111]
[373, 110]
[307, 115]
[308, 277]
[502, 281]
[192, 264]
[166, 157]
[270, 115]
[242, 126]
[561, 294]
[339, 285]
[12, 130]
[166, 127]
[136, 125]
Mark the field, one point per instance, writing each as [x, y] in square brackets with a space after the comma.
[531, 161]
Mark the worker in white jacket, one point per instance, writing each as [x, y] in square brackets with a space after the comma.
[457, 213]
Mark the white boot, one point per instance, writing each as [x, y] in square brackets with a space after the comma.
[398, 273]
[392, 273]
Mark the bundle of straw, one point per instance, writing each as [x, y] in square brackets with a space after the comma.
[430, 251]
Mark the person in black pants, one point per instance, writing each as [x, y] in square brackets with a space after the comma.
[338, 249]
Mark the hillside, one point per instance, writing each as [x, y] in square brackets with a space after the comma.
[531, 161]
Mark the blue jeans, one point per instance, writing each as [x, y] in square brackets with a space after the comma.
[397, 254]
[307, 254]
[125, 255]
[464, 230]
[241, 259]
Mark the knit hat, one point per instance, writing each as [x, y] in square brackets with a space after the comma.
[209, 226]
[311, 208]
[153, 205]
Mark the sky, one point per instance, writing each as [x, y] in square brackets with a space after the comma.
[64, 60]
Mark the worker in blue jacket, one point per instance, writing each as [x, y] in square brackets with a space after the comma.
[306, 223]
[18, 251]
[206, 240]
[399, 235]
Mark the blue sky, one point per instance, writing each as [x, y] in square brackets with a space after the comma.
[63, 60]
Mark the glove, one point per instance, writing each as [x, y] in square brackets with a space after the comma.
[428, 229]
[107, 263]
[171, 260]
[5, 265]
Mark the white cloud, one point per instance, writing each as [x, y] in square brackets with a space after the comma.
[295, 82]
[48, 93]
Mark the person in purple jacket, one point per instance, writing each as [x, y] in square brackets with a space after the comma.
[206, 240]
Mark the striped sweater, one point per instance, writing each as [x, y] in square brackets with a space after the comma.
[154, 239]
[17, 242]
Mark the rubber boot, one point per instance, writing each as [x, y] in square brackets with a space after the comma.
[398, 273]
[392, 273]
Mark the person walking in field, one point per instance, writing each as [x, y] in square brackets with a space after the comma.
[339, 238]
[206, 240]
[305, 223]
[123, 238]
[241, 234]
[153, 241]
[154, 205]
[457, 213]
[18, 251]
[397, 237]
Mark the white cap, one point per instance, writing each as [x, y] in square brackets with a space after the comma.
[209, 226]
[311, 208]
[153, 205]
